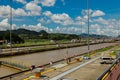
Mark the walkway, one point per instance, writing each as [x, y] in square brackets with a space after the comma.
[73, 69]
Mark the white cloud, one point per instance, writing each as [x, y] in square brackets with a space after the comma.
[19, 12]
[68, 30]
[78, 18]
[105, 27]
[21, 1]
[47, 3]
[37, 27]
[85, 12]
[101, 20]
[57, 28]
[97, 28]
[63, 1]
[47, 13]
[93, 13]
[98, 13]
[33, 8]
[79, 23]
[63, 19]
[4, 25]
[42, 20]
[5, 12]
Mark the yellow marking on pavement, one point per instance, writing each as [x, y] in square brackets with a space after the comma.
[72, 61]
[63, 65]
[59, 65]
[113, 67]
[29, 78]
[105, 76]
[46, 71]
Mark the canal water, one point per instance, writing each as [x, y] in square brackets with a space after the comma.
[42, 58]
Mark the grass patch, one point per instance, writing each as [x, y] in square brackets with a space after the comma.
[87, 55]
[101, 50]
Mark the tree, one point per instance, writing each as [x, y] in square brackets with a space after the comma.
[15, 38]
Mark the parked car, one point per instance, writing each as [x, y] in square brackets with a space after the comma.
[86, 57]
[106, 60]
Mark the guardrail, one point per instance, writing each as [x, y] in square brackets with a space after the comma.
[15, 64]
[112, 73]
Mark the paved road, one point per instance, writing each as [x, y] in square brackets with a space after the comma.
[73, 69]
[42, 58]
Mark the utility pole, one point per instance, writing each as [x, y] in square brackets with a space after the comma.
[11, 26]
[67, 54]
[88, 24]
[118, 29]
[81, 30]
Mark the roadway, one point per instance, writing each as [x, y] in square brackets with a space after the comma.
[73, 69]
[42, 58]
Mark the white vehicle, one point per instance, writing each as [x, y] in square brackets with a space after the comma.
[9, 44]
[106, 60]
[86, 57]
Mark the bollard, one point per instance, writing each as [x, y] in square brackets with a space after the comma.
[51, 63]
[68, 60]
[77, 59]
[10, 77]
[37, 74]
[32, 67]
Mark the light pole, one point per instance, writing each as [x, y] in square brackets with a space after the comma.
[81, 30]
[67, 55]
[11, 26]
[88, 24]
[118, 28]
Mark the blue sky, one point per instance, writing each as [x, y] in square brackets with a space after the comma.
[62, 16]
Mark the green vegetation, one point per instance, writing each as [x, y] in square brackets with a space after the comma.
[87, 55]
[24, 38]
[5, 35]
[101, 50]
[27, 34]
[113, 53]
[33, 38]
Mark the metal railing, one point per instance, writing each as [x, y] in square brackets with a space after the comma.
[108, 72]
